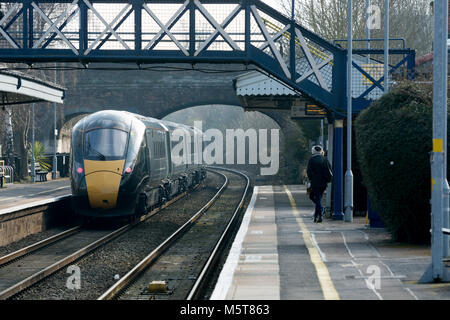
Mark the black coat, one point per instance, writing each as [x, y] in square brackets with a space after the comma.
[318, 171]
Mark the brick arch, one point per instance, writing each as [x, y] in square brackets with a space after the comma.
[152, 94]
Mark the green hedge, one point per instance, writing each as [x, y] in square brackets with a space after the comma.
[394, 141]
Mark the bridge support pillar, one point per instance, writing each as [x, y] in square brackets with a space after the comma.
[338, 213]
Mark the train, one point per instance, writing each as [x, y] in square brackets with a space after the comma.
[123, 164]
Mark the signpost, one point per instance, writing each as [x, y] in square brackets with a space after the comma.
[308, 111]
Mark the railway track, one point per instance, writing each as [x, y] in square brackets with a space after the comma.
[26, 267]
[180, 266]
[25, 274]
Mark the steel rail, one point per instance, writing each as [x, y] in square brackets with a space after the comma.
[195, 291]
[31, 280]
[27, 282]
[127, 279]
[35, 246]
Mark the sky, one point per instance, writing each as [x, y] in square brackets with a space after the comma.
[274, 4]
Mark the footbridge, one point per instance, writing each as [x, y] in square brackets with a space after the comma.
[189, 31]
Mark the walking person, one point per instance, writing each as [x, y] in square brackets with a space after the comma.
[319, 174]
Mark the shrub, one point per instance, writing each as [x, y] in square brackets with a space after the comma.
[393, 141]
[39, 156]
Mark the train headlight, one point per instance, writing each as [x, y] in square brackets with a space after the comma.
[128, 170]
[80, 170]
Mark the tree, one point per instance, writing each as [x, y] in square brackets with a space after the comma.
[16, 119]
[393, 142]
[9, 136]
[21, 124]
[409, 19]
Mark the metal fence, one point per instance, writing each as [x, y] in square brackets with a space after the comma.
[6, 174]
[9, 174]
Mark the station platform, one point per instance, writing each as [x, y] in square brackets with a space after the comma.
[279, 253]
[20, 195]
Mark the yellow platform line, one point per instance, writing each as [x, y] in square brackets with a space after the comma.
[326, 284]
[287, 35]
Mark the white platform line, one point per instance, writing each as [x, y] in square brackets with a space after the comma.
[346, 246]
[32, 204]
[226, 275]
[34, 194]
[316, 244]
[412, 293]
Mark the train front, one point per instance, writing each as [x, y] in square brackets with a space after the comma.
[105, 148]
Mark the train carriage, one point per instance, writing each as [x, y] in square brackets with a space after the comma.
[122, 164]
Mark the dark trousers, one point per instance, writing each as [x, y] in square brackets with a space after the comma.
[316, 197]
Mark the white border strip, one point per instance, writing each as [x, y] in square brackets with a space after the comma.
[33, 204]
[226, 275]
[30, 88]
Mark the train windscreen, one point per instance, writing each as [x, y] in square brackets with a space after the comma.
[105, 144]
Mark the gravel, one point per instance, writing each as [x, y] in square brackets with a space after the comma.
[181, 264]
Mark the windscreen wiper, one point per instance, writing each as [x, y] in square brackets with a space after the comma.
[96, 152]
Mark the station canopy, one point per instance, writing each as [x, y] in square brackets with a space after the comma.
[256, 90]
[19, 88]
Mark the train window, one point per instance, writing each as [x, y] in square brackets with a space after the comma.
[77, 145]
[105, 144]
[163, 146]
[161, 150]
[149, 143]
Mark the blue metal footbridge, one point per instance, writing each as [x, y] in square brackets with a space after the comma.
[246, 32]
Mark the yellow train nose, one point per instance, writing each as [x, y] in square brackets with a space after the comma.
[103, 182]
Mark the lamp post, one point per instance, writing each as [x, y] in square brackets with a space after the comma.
[55, 133]
[386, 46]
[438, 164]
[293, 10]
[439, 206]
[348, 203]
[368, 28]
[32, 165]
